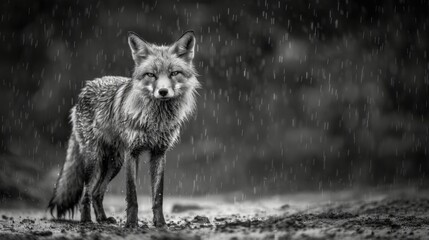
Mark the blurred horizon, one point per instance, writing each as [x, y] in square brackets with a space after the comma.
[296, 96]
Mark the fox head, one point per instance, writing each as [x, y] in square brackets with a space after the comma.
[164, 72]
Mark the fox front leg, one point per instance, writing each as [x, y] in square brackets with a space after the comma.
[157, 164]
[131, 164]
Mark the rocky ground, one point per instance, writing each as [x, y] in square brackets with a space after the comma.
[340, 215]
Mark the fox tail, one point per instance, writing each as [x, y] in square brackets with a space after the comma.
[69, 187]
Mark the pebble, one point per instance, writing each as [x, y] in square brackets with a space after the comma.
[42, 233]
[201, 219]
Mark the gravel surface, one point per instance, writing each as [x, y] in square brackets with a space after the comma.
[340, 215]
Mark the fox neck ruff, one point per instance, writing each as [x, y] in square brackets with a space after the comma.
[143, 112]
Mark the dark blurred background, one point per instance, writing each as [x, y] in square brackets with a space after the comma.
[297, 95]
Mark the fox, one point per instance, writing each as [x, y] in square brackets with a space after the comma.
[118, 120]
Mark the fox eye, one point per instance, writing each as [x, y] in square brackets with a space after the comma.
[151, 75]
[174, 73]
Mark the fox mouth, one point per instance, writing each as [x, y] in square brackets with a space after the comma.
[163, 98]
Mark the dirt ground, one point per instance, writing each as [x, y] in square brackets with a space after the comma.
[339, 215]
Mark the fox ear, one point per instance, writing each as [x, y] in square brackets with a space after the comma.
[140, 49]
[184, 46]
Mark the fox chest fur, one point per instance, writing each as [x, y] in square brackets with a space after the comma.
[110, 111]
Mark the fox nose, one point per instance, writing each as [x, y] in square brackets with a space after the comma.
[163, 92]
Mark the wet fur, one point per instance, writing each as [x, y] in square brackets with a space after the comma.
[116, 120]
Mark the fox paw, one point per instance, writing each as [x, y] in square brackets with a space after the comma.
[131, 225]
[162, 227]
[85, 221]
[160, 224]
[109, 220]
